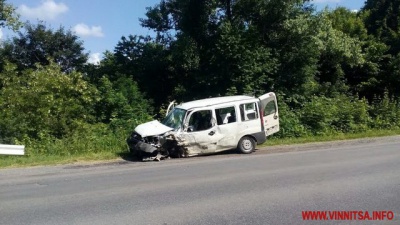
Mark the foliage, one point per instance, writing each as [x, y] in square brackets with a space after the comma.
[382, 21]
[338, 51]
[148, 64]
[334, 71]
[38, 44]
[244, 66]
[290, 124]
[45, 101]
[385, 113]
[8, 16]
[87, 139]
[121, 103]
[348, 22]
[341, 114]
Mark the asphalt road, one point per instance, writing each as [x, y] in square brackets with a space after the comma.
[260, 188]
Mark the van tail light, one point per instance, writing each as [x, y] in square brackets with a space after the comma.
[262, 118]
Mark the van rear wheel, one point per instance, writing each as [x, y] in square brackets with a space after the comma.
[246, 145]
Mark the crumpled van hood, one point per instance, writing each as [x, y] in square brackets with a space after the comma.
[152, 128]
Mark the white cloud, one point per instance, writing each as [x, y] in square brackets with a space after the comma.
[1, 34]
[48, 9]
[84, 30]
[94, 58]
[355, 10]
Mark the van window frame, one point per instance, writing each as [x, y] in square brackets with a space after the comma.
[189, 117]
[242, 111]
[270, 110]
[226, 107]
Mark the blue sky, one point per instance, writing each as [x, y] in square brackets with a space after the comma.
[100, 24]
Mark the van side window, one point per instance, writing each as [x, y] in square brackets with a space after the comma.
[226, 115]
[248, 111]
[270, 108]
[200, 120]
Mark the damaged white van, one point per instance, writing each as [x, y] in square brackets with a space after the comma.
[208, 126]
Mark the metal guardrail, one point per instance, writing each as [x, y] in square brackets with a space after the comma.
[12, 149]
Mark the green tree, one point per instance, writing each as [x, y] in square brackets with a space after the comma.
[383, 21]
[194, 18]
[121, 103]
[194, 25]
[44, 101]
[8, 16]
[363, 78]
[148, 63]
[338, 51]
[298, 55]
[38, 44]
[269, 16]
[348, 22]
[392, 76]
[230, 43]
[241, 65]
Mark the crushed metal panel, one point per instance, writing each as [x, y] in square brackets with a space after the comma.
[156, 147]
[145, 147]
[152, 128]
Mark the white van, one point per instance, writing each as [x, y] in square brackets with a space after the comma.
[208, 126]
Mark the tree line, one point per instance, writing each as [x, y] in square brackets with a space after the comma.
[334, 70]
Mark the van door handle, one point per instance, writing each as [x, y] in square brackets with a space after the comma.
[211, 133]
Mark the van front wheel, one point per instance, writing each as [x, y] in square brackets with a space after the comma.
[246, 145]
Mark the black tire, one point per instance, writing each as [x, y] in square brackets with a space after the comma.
[246, 145]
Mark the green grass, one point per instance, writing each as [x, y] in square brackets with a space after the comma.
[43, 160]
[332, 137]
[112, 151]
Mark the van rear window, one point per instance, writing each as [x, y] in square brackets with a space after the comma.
[248, 111]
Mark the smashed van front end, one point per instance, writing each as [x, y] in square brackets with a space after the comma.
[156, 140]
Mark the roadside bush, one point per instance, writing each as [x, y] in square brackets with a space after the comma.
[344, 114]
[87, 139]
[350, 115]
[317, 115]
[290, 124]
[121, 103]
[385, 113]
[361, 117]
[53, 113]
[44, 102]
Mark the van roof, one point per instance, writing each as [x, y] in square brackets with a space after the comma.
[213, 101]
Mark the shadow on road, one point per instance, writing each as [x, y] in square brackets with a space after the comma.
[127, 156]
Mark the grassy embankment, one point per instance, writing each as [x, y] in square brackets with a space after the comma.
[115, 148]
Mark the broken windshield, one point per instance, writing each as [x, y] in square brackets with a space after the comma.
[174, 119]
